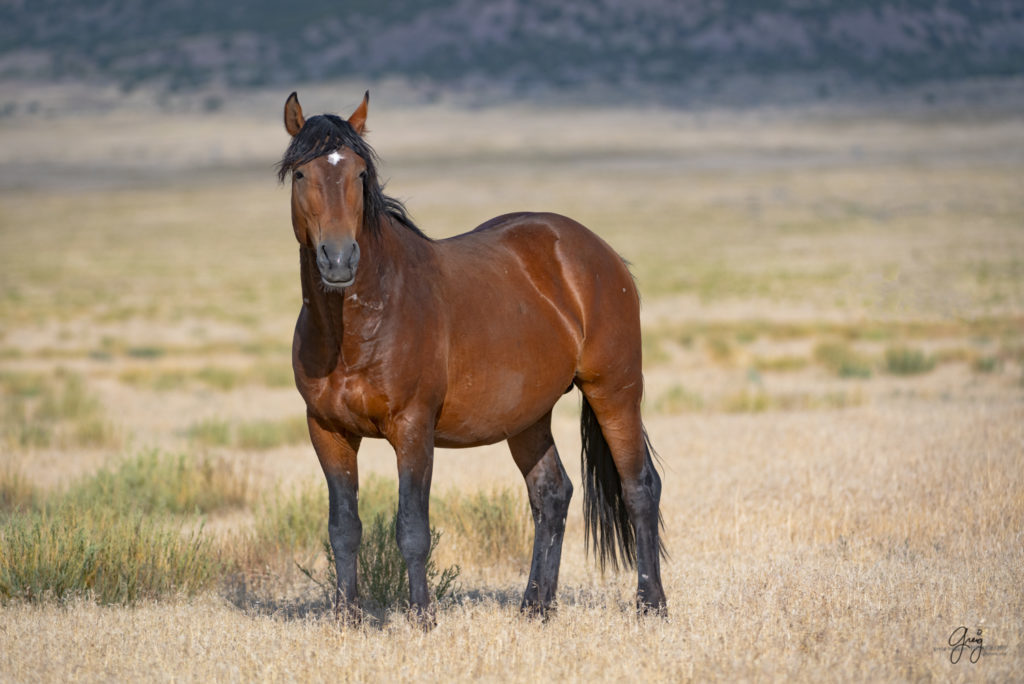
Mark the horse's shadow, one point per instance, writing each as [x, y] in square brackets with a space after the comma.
[255, 599]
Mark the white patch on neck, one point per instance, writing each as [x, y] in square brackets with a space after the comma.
[333, 158]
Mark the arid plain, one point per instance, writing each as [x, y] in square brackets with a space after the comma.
[834, 356]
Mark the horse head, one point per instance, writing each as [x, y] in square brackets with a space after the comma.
[332, 174]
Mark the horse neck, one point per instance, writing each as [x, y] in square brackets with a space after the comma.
[388, 254]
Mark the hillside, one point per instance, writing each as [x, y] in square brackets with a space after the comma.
[659, 47]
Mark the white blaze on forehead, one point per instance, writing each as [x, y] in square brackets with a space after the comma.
[333, 158]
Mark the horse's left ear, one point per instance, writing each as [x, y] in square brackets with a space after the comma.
[358, 118]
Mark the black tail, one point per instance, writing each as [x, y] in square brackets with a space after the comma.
[604, 511]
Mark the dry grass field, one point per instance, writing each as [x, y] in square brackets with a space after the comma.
[834, 352]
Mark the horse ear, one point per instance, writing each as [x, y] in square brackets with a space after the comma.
[358, 118]
[293, 119]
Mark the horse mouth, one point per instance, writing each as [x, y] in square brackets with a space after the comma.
[337, 284]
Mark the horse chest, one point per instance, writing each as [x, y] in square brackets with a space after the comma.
[348, 400]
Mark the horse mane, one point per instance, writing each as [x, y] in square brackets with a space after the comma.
[327, 133]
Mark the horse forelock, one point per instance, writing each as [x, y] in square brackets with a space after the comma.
[320, 136]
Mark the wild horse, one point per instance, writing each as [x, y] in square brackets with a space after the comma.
[462, 342]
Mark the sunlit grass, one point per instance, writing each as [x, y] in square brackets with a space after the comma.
[42, 410]
[678, 399]
[842, 360]
[253, 434]
[117, 536]
[495, 525]
[268, 373]
[267, 434]
[16, 491]
[758, 401]
[105, 554]
[155, 482]
[745, 331]
[780, 364]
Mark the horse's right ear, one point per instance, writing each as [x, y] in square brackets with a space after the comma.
[293, 119]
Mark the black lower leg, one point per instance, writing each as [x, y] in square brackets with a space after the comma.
[550, 491]
[413, 536]
[345, 532]
[642, 498]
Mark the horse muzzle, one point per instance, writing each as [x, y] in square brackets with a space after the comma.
[337, 262]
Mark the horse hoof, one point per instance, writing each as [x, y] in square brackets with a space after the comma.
[348, 615]
[424, 618]
[537, 611]
[644, 609]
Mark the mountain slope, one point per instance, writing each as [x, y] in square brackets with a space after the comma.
[180, 44]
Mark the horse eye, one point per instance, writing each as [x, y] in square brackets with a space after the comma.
[298, 175]
[362, 175]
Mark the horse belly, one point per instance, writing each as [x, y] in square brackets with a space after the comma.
[492, 398]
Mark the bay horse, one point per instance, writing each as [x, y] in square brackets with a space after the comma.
[458, 343]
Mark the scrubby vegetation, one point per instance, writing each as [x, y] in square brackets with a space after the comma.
[135, 531]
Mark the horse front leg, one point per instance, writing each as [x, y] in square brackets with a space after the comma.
[337, 453]
[414, 449]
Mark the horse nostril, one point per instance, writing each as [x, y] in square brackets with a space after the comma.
[353, 256]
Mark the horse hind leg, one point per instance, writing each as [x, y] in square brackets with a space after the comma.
[549, 490]
[622, 491]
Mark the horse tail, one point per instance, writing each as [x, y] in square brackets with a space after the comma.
[606, 519]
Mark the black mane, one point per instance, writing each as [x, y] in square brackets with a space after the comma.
[327, 133]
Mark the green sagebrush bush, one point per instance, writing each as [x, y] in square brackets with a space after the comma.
[907, 361]
[383, 576]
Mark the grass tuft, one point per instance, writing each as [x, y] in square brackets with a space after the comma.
[268, 434]
[842, 360]
[16, 492]
[496, 524]
[102, 553]
[161, 483]
[210, 432]
[907, 361]
[986, 364]
[40, 411]
[780, 364]
[254, 435]
[289, 522]
[748, 402]
[678, 399]
[219, 378]
[760, 401]
[159, 381]
[295, 521]
[68, 401]
[720, 350]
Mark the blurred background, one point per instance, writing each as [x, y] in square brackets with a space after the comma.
[695, 53]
